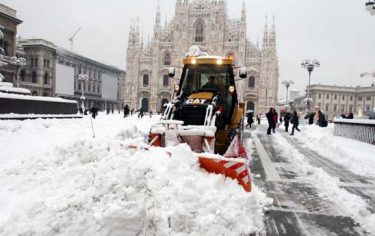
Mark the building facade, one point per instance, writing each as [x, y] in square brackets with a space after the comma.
[337, 100]
[8, 25]
[53, 71]
[204, 23]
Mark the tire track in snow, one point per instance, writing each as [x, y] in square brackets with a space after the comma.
[354, 183]
[298, 208]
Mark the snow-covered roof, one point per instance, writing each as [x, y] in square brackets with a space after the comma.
[35, 98]
[15, 90]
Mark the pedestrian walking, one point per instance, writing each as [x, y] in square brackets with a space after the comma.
[270, 120]
[258, 119]
[274, 117]
[141, 113]
[150, 114]
[295, 122]
[286, 121]
[94, 111]
[250, 119]
[126, 111]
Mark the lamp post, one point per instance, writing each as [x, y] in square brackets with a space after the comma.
[82, 78]
[287, 84]
[370, 7]
[369, 74]
[309, 65]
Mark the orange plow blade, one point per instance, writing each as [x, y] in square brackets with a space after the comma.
[234, 168]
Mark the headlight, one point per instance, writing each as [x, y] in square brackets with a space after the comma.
[231, 89]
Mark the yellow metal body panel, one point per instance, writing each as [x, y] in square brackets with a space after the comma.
[238, 115]
[202, 95]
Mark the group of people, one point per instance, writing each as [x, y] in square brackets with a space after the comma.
[141, 112]
[272, 118]
[250, 119]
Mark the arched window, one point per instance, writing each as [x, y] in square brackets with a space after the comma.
[199, 32]
[167, 59]
[250, 106]
[33, 77]
[22, 75]
[45, 94]
[46, 78]
[251, 82]
[145, 80]
[165, 80]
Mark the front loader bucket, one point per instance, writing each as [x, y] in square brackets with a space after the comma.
[234, 168]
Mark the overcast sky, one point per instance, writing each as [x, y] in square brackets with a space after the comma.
[340, 34]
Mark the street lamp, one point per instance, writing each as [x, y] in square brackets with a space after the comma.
[18, 62]
[370, 7]
[369, 74]
[309, 65]
[287, 84]
[82, 78]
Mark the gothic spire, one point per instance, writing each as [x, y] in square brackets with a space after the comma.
[131, 33]
[157, 27]
[272, 36]
[265, 34]
[243, 13]
[157, 20]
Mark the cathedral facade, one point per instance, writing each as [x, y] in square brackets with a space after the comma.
[204, 23]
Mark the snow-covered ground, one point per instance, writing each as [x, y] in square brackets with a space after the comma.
[56, 179]
[352, 155]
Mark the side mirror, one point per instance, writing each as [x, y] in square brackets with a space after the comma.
[243, 73]
[171, 72]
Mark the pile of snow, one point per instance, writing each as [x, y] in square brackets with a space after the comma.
[56, 179]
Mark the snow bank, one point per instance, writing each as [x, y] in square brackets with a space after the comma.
[61, 181]
[356, 156]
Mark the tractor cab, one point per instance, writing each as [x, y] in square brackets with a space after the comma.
[206, 80]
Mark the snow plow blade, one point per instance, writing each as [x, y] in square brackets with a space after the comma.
[234, 168]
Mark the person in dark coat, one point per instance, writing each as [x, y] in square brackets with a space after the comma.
[295, 122]
[250, 119]
[311, 119]
[141, 113]
[274, 117]
[270, 120]
[150, 114]
[94, 111]
[126, 111]
[286, 121]
[350, 116]
[322, 122]
[258, 119]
